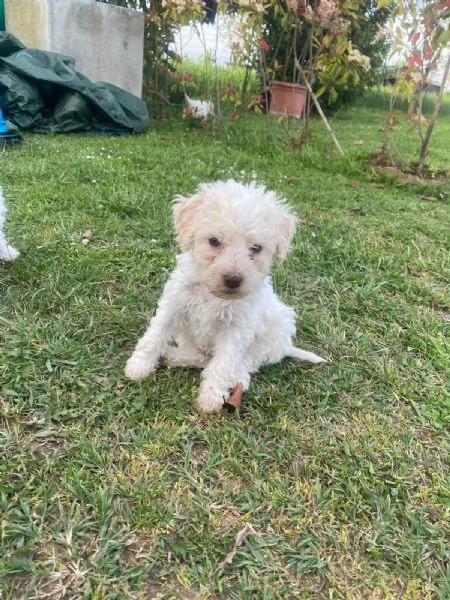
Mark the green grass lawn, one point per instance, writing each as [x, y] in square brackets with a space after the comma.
[111, 489]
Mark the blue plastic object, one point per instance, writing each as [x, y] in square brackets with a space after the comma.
[5, 136]
[3, 128]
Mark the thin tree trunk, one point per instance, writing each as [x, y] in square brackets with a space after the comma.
[437, 106]
[307, 109]
[319, 109]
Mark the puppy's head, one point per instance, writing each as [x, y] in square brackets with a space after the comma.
[233, 231]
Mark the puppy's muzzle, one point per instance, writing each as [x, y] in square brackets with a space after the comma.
[233, 281]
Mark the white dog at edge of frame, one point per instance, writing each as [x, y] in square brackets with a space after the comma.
[7, 252]
[218, 310]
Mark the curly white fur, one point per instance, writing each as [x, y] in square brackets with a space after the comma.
[218, 310]
[7, 252]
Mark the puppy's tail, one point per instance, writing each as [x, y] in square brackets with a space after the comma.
[304, 355]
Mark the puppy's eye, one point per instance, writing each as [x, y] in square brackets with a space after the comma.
[255, 248]
[214, 242]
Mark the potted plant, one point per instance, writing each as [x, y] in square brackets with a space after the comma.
[284, 32]
[287, 98]
[309, 46]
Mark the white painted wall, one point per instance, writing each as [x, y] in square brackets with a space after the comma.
[107, 42]
[437, 75]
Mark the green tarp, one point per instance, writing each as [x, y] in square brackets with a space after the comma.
[42, 91]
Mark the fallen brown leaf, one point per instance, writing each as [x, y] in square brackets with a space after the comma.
[241, 536]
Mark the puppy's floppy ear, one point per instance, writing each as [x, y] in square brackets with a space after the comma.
[287, 227]
[185, 211]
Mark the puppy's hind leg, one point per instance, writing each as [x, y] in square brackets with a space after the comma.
[304, 355]
[275, 345]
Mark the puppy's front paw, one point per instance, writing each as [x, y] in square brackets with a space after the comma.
[139, 366]
[211, 400]
[9, 253]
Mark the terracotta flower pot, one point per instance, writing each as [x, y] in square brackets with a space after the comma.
[287, 99]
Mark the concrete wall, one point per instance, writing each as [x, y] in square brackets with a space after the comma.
[29, 21]
[106, 41]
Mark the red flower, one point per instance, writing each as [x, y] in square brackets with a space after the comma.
[265, 46]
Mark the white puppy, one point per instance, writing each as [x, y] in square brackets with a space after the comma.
[7, 252]
[218, 310]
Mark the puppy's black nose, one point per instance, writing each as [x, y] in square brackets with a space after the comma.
[232, 281]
